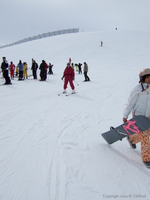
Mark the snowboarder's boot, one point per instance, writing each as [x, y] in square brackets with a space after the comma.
[133, 146]
[147, 164]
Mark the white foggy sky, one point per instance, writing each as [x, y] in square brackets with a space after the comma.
[24, 18]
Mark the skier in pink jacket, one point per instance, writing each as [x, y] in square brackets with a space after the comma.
[69, 77]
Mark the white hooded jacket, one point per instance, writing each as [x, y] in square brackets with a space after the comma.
[138, 102]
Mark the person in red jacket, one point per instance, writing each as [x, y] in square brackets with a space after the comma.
[12, 69]
[69, 77]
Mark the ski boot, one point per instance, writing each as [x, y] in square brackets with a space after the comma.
[133, 146]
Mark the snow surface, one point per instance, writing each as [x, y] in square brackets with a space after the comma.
[51, 146]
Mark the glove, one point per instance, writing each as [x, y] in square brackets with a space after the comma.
[73, 79]
[124, 120]
[62, 78]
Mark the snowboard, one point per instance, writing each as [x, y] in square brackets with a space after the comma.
[135, 125]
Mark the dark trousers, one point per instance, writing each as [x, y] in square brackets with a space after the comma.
[86, 77]
[50, 71]
[34, 74]
[80, 70]
[43, 75]
[6, 77]
[20, 75]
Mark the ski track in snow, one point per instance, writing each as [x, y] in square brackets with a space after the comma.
[51, 146]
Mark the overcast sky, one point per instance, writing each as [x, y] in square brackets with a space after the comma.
[24, 18]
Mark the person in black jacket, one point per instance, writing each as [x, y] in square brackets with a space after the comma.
[80, 69]
[50, 68]
[34, 69]
[4, 67]
[43, 72]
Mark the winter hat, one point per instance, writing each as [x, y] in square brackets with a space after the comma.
[145, 72]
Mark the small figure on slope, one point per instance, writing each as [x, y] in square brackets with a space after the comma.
[5, 68]
[85, 69]
[34, 68]
[76, 65]
[70, 61]
[80, 69]
[17, 71]
[69, 77]
[50, 68]
[43, 68]
[20, 67]
[25, 68]
[12, 69]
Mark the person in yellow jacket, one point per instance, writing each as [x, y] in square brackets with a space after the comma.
[25, 68]
[17, 71]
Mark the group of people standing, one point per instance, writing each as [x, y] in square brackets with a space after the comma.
[20, 70]
[43, 69]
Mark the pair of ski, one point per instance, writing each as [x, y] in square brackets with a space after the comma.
[66, 94]
[135, 125]
[5, 84]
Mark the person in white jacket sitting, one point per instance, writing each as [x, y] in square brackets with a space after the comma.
[139, 99]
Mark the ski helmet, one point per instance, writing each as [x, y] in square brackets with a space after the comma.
[144, 72]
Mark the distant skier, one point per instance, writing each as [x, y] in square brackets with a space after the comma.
[43, 68]
[34, 68]
[69, 77]
[70, 61]
[20, 67]
[80, 69]
[72, 65]
[5, 68]
[17, 70]
[12, 69]
[85, 69]
[25, 68]
[50, 66]
[76, 65]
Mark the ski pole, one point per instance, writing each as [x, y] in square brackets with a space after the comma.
[76, 82]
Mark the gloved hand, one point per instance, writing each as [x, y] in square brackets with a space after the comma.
[124, 120]
[62, 78]
[73, 79]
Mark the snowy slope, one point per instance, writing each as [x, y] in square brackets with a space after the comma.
[51, 146]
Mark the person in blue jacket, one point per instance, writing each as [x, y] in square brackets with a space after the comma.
[20, 67]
